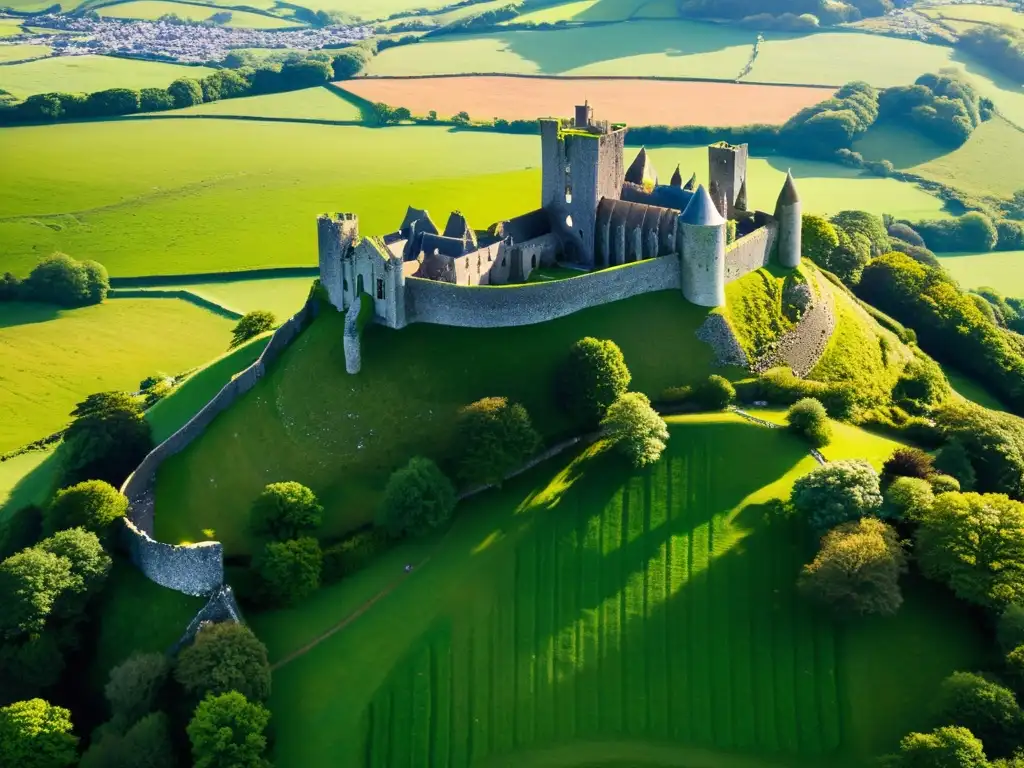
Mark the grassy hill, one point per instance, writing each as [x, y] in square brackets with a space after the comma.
[85, 74]
[591, 614]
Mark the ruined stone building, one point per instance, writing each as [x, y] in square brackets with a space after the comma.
[594, 214]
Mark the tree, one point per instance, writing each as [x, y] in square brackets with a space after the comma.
[1013, 666]
[93, 505]
[21, 529]
[909, 497]
[185, 92]
[461, 118]
[290, 570]
[418, 499]
[635, 428]
[348, 64]
[252, 324]
[494, 437]
[89, 563]
[135, 684]
[818, 239]
[591, 378]
[716, 393]
[906, 233]
[948, 747]
[836, 493]
[987, 709]
[31, 664]
[866, 224]
[107, 439]
[227, 732]
[850, 257]
[113, 101]
[978, 232]
[229, 84]
[36, 734]
[225, 657]
[975, 544]
[57, 279]
[856, 572]
[30, 583]
[1010, 627]
[908, 462]
[42, 107]
[97, 281]
[145, 744]
[305, 74]
[286, 511]
[155, 100]
[993, 443]
[807, 417]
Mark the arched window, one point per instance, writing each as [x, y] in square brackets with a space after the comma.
[533, 261]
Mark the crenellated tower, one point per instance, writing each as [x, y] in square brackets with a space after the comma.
[727, 170]
[702, 251]
[336, 234]
[789, 212]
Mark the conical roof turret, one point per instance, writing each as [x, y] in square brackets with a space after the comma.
[788, 195]
[701, 210]
[641, 169]
[677, 178]
[741, 196]
[692, 183]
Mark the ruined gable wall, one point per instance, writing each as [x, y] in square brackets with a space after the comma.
[750, 252]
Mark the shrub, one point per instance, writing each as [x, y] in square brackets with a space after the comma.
[954, 461]
[591, 378]
[716, 393]
[635, 428]
[908, 497]
[251, 324]
[97, 281]
[494, 437]
[866, 224]
[944, 483]
[36, 734]
[418, 498]
[856, 571]
[985, 708]
[224, 657]
[135, 684]
[185, 92]
[807, 418]
[89, 563]
[1010, 627]
[975, 545]
[905, 233]
[30, 583]
[678, 395]
[59, 279]
[290, 570]
[106, 440]
[948, 747]
[155, 100]
[352, 554]
[227, 730]
[908, 462]
[93, 505]
[837, 493]
[285, 511]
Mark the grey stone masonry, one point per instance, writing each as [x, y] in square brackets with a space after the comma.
[750, 252]
[802, 347]
[716, 331]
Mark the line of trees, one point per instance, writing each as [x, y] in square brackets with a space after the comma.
[999, 45]
[61, 280]
[943, 107]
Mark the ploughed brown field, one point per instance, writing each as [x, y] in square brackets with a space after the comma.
[634, 101]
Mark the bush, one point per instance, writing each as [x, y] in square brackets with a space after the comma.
[224, 657]
[905, 233]
[837, 493]
[36, 734]
[944, 483]
[155, 100]
[286, 511]
[107, 439]
[89, 564]
[290, 570]
[949, 747]
[113, 101]
[866, 224]
[352, 554]
[635, 428]
[135, 685]
[908, 497]
[808, 418]
[145, 744]
[1010, 627]
[716, 393]
[251, 324]
[185, 92]
[856, 572]
[591, 378]
[494, 437]
[93, 505]
[227, 732]
[418, 498]
[60, 279]
[985, 708]
[954, 461]
[908, 462]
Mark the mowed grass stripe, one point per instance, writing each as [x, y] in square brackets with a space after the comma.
[785, 652]
[742, 636]
[720, 589]
[587, 701]
[697, 591]
[680, 557]
[567, 620]
[461, 692]
[656, 607]
[421, 734]
[808, 715]
[441, 659]
[480, 712]
[505, 660]
[526, 641]
[828, 706]
[545, 626]
[611, 579]
[635, 657]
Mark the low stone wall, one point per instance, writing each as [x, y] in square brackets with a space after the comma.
[801, 348]
[350, 339]
[717, 332]
[428, 301]
[750, 252]
[186, 568]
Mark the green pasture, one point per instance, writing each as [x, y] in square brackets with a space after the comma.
[53, 358]
[1002, 270]
[639, 48]
[154, 9]
[309, 103]
[26, 479]
[23, 52]
[85, 74]
[968, 388]
[10, 27]
[981, 14]
[599, 10]
[588, 604]
[307, 420]
[283, 296]
[31, 6]
[372, 10]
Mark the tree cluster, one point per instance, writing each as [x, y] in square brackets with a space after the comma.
[1001, 46]
[106, 439]
[822, 129]
[58, 279]
[250, 325]
[827, 12]
[287, 515]
[943, 107]
[846, 243]
[591, 378]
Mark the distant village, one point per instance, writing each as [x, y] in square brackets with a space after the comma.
[176, 40]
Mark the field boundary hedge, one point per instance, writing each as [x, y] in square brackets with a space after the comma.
[266, 273]
[527, 76]
[191, 298]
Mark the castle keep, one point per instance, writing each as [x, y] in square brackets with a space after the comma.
[594, 214]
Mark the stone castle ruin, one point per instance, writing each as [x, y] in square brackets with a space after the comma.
[595, 214]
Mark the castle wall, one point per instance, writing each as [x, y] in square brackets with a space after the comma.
[750, 252]
[329, 244]
[496, 307]
[790, 223]
[703, 263]
[351, 341]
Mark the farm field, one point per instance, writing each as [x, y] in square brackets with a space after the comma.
[309, 103]
[53, 358]
[600, 10]
[10, 27]
[1002, 270]
[639, 48]
[636, 102]
[154, 9]
[84, 74]
[23, 52]
[985, 14]
[24, 480]
[283, 296]
[588, 603]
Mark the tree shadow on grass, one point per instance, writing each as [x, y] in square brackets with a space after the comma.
[14, 313]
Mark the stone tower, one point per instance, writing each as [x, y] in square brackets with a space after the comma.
[581, 165]
[336, 234]
[702, 249]
[727, 168]
[788, 211]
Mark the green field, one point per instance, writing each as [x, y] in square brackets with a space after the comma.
[310, 103]
[85, 74]
[341, 435]
[53, 358]
[154, 9]
[639, 48]
[599, 10]
[25, 479]
[31, 6]
[23, 52]
[10, 27]
[283, 296]
[1002, 270]
[985, 14]
[655, 610]
[968, 388]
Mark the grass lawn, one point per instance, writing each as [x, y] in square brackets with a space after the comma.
[968, 388]
[639, 48]
[10, 27]
[987, 14]
[1002, 270]
[23, 52]
[86, 74]
[53, 358]
[313, 103]
[26, 479]
[593, 603]
[284, 296]
[154, 9]
[341, 435]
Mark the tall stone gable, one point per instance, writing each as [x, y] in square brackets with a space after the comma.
[727, 170]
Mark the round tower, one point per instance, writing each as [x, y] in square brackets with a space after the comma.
[702, 251]
[789, 213]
